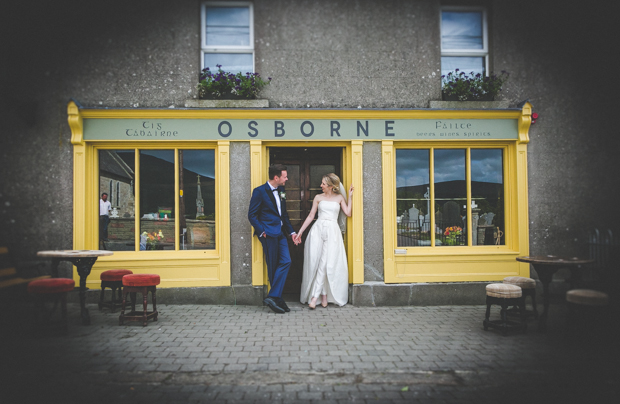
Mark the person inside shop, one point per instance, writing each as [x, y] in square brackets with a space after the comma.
[104, 216]
[325, 272]
[267, 214]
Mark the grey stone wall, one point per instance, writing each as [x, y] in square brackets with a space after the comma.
[373, 212]
[321, 54]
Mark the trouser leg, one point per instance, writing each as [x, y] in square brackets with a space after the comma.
[321, 275]
[278, 263]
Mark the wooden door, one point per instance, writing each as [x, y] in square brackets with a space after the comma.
[305, 168]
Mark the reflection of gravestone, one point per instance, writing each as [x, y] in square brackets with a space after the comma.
[451, 215]
[485, 237]
[413, 214]
[404, 217]
[488, 217]
[439, 220]
[413, 218]
[475, 217]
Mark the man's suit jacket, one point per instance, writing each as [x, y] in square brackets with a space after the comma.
[263, 213]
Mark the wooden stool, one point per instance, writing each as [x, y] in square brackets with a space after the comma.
[112, 279]
[144, 283]
[528, 288]
[504, 295]
[588, 313]
[54, 289]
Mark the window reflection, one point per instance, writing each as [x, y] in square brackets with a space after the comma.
[450, 197]
[413, 198]
[487, 191]
[156, 200]
[230, 62]
[461, 30]
[228, 26]
[116, 178]
[197, 199]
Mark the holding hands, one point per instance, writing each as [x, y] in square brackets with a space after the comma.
[296, 238]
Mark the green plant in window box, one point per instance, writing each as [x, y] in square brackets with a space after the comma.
[225, 85]
[459, 86]
[210, 216]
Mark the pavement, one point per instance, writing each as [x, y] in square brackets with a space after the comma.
[247, 354]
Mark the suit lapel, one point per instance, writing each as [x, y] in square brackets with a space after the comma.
[271, 196]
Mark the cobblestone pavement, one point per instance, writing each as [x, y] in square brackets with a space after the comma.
[229, 354]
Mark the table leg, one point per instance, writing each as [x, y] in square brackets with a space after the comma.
[55, 263]
[84, 265]
[545, 274]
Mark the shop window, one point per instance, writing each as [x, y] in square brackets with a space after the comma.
[464, 40]
[119, 165]
[156, 198]
[156, 172]
[197, 199]
[227, 36]
[420, 203]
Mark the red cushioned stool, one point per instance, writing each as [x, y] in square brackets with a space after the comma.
[132, 284]
[51, 289]
[112, 279]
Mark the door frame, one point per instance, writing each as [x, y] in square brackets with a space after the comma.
[352, 173]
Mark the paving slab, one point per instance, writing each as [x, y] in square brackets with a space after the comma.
[230, 354]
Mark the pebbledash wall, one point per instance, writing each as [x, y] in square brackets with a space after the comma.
[75, 71]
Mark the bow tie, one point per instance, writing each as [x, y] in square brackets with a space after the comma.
[274, 190]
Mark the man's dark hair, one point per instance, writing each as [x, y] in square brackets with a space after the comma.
[276, 170]
[104, 194]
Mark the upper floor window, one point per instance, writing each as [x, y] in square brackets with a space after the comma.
[464, 40]
[227, 36]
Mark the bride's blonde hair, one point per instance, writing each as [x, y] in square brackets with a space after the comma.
[333, 182]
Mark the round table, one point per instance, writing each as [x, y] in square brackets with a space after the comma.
[84, 261]
[545, 267]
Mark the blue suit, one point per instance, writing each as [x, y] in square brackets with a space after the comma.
[265, 218]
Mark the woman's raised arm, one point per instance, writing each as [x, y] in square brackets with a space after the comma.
[347, 206]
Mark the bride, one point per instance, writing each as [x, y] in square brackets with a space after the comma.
[325, 270]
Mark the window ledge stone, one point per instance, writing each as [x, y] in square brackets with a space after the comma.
[469, 104]
[195, 103]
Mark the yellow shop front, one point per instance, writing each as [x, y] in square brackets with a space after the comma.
[453, 183]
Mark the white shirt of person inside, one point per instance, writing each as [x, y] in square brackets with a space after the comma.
[104, 207]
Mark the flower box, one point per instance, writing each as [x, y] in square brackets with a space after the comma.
[454, 97]
[229, 86]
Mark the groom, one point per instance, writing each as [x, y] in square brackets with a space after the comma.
[268, 216]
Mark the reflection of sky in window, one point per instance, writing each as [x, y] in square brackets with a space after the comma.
[461, 30]
[449, 165]
[486, 165]
[228, 26]
[201, 162]
[412, 167]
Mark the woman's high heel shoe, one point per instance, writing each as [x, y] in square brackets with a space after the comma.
[312, 303]
[324, 300]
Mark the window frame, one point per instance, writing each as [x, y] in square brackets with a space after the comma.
[467, 149]
[204, 48]
[484, 52]
[136, 148]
